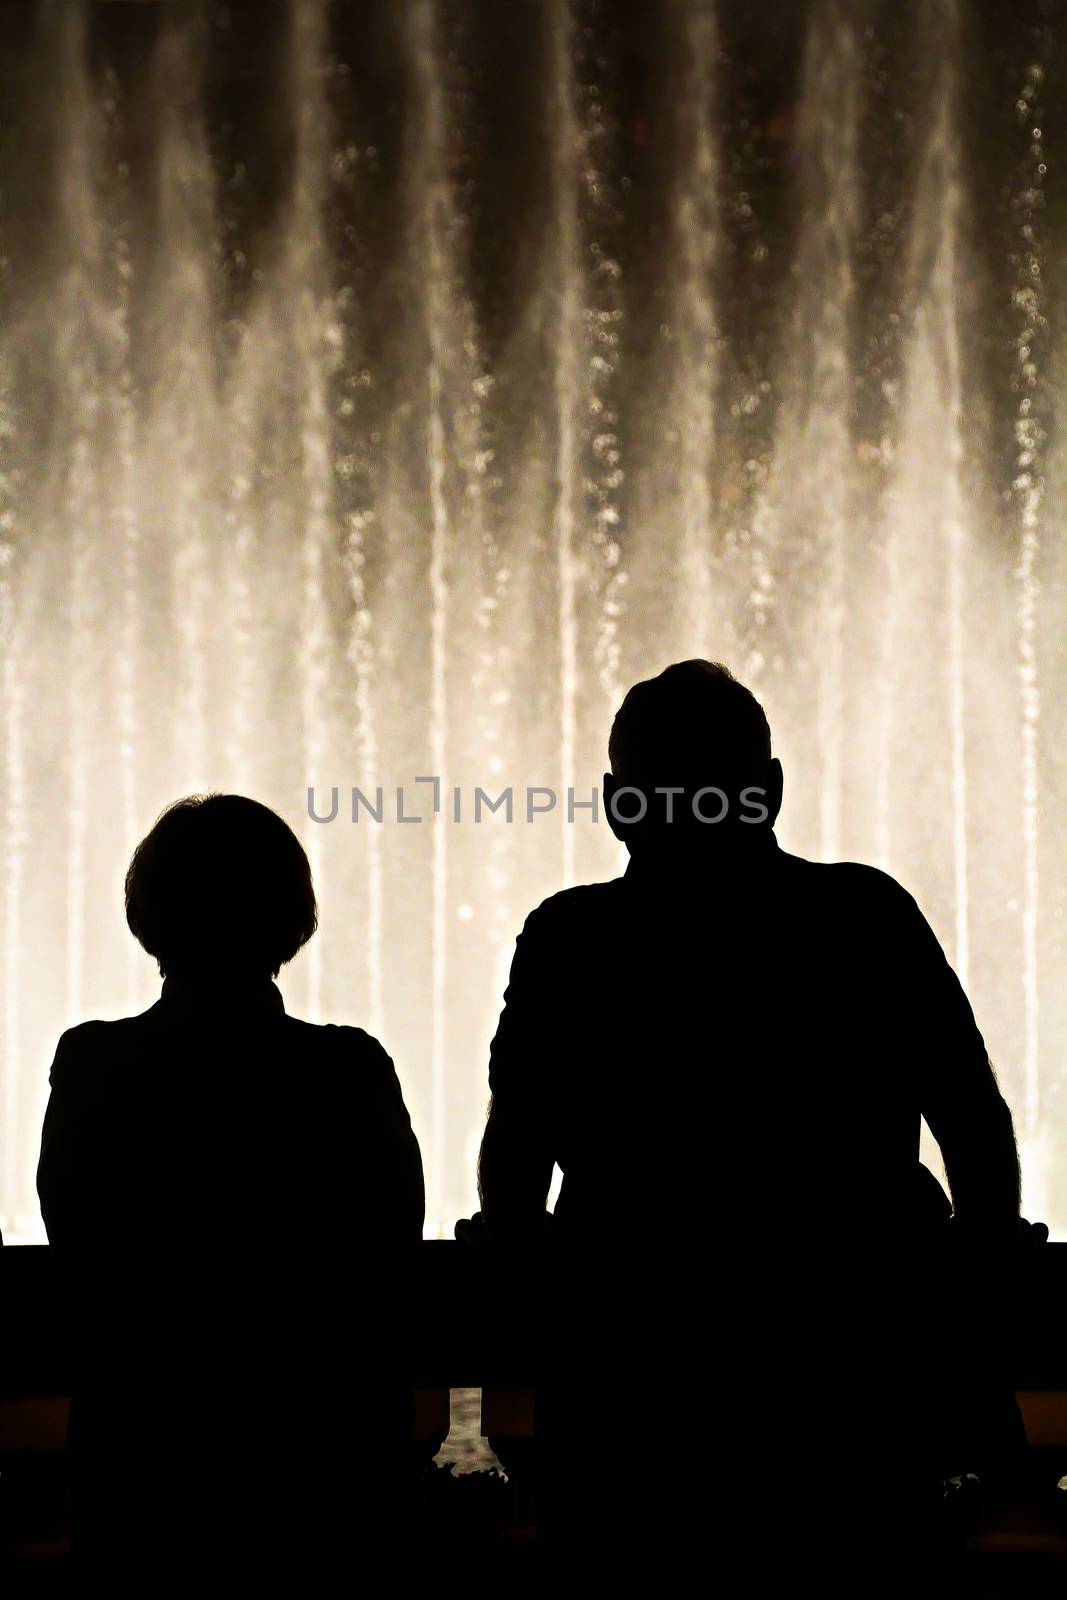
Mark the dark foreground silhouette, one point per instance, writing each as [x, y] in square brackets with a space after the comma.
[208, 1140]
[727, 1051]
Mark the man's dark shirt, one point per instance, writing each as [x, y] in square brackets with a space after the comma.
[729, 1064]
[716, 1049]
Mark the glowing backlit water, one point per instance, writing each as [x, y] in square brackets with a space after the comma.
[384, 388]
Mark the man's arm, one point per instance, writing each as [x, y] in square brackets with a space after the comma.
[516, 1159]
[972, 1124]
[958, 1091]
[514, 1175]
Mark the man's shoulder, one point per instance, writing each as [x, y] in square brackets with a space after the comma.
[576, 906]
[853, 893]
[846, 877]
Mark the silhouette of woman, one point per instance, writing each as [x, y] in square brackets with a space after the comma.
[206, 1168]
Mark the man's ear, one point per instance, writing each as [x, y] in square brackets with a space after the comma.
[609, 791]
[775, 781]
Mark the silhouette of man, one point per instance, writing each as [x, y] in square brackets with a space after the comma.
[727, 1051]
[207, 1168]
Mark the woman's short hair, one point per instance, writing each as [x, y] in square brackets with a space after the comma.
[220, 884]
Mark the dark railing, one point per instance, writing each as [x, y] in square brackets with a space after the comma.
[470, 1318]
[464, 1318]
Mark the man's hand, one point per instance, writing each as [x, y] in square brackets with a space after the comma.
[1017, 1234]
[472, 1231]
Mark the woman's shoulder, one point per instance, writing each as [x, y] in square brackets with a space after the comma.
[341, 1041]
[86, 1040]
[353, 1059]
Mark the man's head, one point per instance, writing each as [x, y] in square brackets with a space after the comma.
[696, 730]
[220, 889]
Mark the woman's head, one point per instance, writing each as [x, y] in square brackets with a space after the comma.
[220, 886]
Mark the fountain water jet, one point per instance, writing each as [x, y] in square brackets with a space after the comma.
[926, 555]
[82, 245]
[566, 160]
[185, 398]
[820, 449]
[696, 332]
[303, 286]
